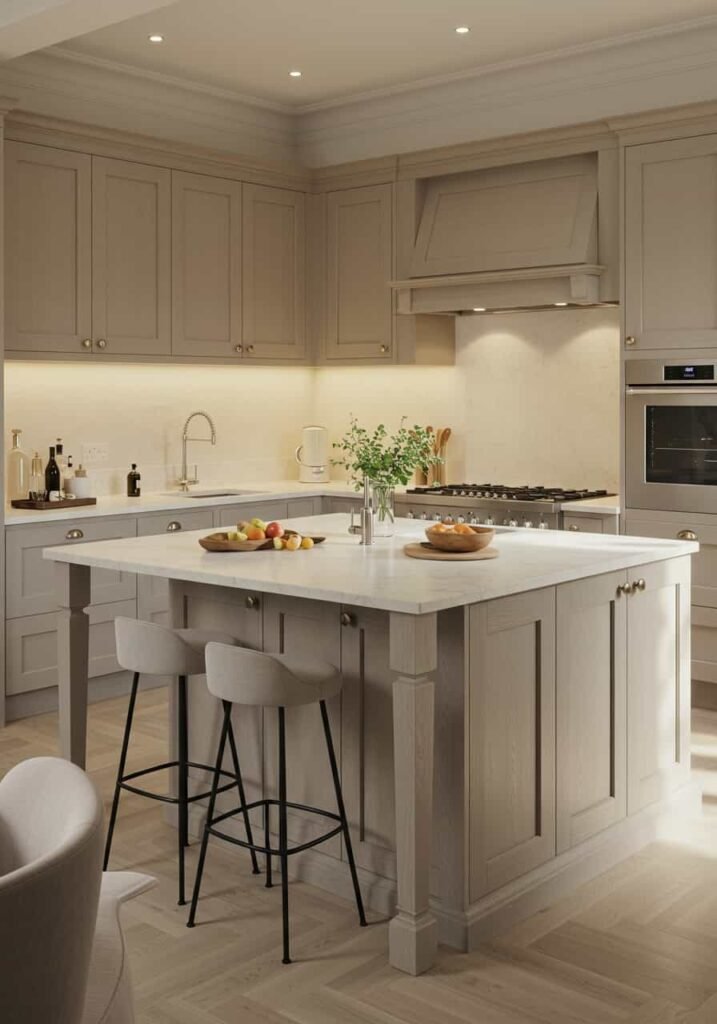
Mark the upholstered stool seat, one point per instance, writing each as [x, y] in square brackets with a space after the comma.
[147, 648]
[240, 676]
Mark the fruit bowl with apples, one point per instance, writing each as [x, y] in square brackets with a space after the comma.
[256, 535]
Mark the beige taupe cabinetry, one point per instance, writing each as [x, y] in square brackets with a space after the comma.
[31, 606]
[590, 522]
[670, 244]
[152, 591]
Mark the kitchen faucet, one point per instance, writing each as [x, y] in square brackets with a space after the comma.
[184, 481]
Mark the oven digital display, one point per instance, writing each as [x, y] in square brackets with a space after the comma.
[704, 372]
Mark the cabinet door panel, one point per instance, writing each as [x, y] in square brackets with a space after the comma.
[307, 630]
[297, 507]
[359, 300]
[206, 265]
[704, 563]
[273, 272]
[31, 647]
[671, 243]
[658, 673]
[230, 515]
[48, 249]
[512, 738]
[131, 257]
[30, 579]
[590, 698]
[153, 591]
[367, 740]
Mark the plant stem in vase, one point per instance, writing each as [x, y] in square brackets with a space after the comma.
[383, 505]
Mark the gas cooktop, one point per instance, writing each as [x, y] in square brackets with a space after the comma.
[505, 492]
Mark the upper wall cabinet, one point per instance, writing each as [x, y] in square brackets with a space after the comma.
[206, 266]
[273, 273]
[131, 233]
[535, 214]
[359, 303]
[48, 249]
[671, 244]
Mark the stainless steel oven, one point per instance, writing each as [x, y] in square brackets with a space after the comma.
[671, 435]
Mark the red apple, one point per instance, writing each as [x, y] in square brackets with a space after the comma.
[274, 530]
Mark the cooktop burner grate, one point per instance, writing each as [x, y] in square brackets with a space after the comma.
[505, 492]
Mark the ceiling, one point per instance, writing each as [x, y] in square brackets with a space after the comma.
[347, 48]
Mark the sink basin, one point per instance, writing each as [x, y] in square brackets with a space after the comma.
[210, 494]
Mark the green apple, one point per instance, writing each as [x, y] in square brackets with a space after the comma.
[241, 535]
[278, 543]
[259, 523]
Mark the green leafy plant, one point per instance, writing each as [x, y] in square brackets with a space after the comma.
[388, 460]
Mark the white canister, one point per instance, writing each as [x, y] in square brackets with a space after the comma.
[81, 485]
[313, 455]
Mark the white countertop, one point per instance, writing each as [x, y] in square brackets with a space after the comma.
[119, 504]
[608, 506]
[380, 576]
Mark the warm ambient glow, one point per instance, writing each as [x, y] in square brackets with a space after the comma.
[156, 38]
[462, 30]
[479, 309]
[295, 74]
[560, 303]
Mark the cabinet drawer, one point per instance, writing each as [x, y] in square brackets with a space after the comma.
[346, 504]
[704, 563]
[303, 507]
[174, 522]
[583, 524]
[704, 644]
[30, 579]
[230, 515]
[31, 647]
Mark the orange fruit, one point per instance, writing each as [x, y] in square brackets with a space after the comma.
[463, 528]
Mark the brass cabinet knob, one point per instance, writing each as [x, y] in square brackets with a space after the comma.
[74, 535]
[639, 585]
[686, 535]
[239, 348]
[250, 348]
[384, 348]
[101, 343]
[173, 526]
[347, 619]
[573, 527]
[624, 588]
[630, 339]
[252, 602]
[87, 342]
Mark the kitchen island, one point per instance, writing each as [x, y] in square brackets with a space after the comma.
[508, 728]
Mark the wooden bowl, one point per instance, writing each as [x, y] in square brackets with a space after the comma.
[221, 542]
[479, 538]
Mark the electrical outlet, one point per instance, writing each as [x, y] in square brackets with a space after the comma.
[95, 451]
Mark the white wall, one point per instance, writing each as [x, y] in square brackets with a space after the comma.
[541, 397]
[533, 398]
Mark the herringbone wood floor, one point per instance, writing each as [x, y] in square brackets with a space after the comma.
[637, 945]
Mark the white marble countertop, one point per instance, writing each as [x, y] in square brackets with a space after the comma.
[608, 506]
[119, 504]
[380, 576]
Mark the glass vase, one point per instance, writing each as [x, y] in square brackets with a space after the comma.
[383, 507]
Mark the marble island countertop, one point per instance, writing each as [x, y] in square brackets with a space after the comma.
[380, 576]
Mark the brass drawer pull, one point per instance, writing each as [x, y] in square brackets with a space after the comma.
[573, 527]
[639, 585]
[239, 348]
[87, 342]
[101, 343]
[174, 526]
[630, 339]
[252, 602]
[347, 619]
[686, 535]
[250, 348]
[74, 535]
[624, 588]
[384, 348]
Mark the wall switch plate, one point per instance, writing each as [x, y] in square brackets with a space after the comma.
[95, 451]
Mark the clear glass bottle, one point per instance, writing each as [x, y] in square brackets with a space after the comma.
[37, 478]
[18, 469]
[61, 463]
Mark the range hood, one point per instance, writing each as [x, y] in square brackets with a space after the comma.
[506, 238]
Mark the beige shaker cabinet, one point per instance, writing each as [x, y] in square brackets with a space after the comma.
[671, 244]
[273, 274]
[206, 266]
[359, 261]
[48, 250]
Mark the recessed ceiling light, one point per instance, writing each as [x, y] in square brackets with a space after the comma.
[295, 74]
[479, 309]
[462, 30]
[560, 303]
[156, 38]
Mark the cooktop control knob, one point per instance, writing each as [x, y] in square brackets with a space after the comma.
[489, 521]
[528, 524]
[474, 520]
[512, 522]
[542, 525]
[410, 515]
[460, 519]
[423, 515]
[436, 517]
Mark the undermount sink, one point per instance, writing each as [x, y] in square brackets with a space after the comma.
[211, 494]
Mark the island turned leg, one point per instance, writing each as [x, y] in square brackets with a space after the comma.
[412, 934]
[73, 631]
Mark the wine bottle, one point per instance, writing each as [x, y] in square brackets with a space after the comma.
[133, 478]
[53, 482]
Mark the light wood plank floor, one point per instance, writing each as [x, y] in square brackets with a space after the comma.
[637, 945]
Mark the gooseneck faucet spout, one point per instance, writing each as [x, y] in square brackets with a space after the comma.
[185, 479]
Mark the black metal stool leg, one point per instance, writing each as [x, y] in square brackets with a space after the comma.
[342, 811]
[242, 797]
[210, 811]
[267, 844]
[182, 780]
[120, 769]
[283, 838]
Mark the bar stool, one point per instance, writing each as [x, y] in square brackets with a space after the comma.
[146, 648]
[241, 676]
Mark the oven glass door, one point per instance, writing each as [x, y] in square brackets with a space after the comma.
[672, 449]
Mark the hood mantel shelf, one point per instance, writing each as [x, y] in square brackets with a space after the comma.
[522, 288]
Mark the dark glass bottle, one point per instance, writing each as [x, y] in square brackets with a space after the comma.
[133, 479]
[52, 475]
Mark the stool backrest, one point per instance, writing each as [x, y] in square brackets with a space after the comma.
[50, 873]
[152, 649]
[243, 676]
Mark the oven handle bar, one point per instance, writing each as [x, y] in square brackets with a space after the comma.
[672, 391]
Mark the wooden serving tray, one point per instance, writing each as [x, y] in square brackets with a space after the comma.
[221, 542]
[427, 551]
[65, 503]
